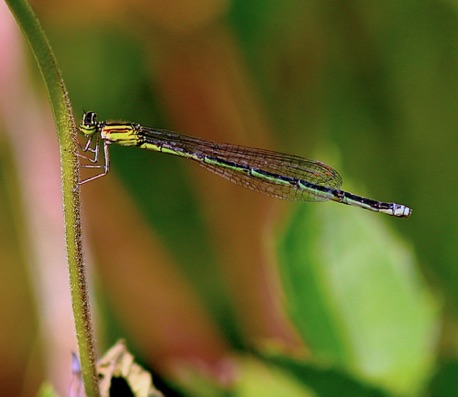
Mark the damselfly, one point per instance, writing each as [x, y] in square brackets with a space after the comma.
[275, 174]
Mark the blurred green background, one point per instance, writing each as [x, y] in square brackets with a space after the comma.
[218, 290]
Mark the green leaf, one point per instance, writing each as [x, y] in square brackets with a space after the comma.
[326, 382]
[46, 390]
[355, 296]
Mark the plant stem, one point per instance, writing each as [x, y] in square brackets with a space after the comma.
[66, 131]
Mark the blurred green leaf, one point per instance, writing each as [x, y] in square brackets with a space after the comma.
[325, 382]
[444, 381]
[46, 390]
[254, 377]
[354, 294]
[259, 379]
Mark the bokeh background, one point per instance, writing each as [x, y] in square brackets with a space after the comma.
[217, 289]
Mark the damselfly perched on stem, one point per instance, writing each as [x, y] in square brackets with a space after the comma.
[275, 174]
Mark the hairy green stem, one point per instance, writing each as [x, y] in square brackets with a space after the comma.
[66, 131]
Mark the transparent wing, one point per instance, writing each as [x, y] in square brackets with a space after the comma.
[264, 171]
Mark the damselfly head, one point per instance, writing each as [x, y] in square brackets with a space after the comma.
[89, 124]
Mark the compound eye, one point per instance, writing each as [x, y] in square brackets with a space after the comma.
[89, 118]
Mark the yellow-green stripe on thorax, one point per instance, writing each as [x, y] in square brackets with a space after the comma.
[122, 134]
